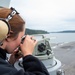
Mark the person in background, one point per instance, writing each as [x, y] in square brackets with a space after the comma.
[31, 64]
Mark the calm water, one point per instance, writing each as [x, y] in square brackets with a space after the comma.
[61, 37]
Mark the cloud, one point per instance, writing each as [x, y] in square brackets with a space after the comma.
[50, 15]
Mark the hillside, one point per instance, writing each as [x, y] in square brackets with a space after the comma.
[31, 31]
[66, 31]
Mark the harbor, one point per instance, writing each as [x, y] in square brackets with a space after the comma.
[57, 22]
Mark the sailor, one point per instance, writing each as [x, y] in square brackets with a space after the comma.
[12, 29]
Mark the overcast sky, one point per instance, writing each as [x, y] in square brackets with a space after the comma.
[49, 15]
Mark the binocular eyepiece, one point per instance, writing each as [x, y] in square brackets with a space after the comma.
[22, 39]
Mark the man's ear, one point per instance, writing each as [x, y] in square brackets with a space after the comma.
[9, 36]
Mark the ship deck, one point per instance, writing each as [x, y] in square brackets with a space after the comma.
[65, 52]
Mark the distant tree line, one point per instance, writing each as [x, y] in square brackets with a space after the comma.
[67, 31]
[31, 31]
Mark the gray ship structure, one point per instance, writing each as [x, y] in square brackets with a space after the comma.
[44, 52]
